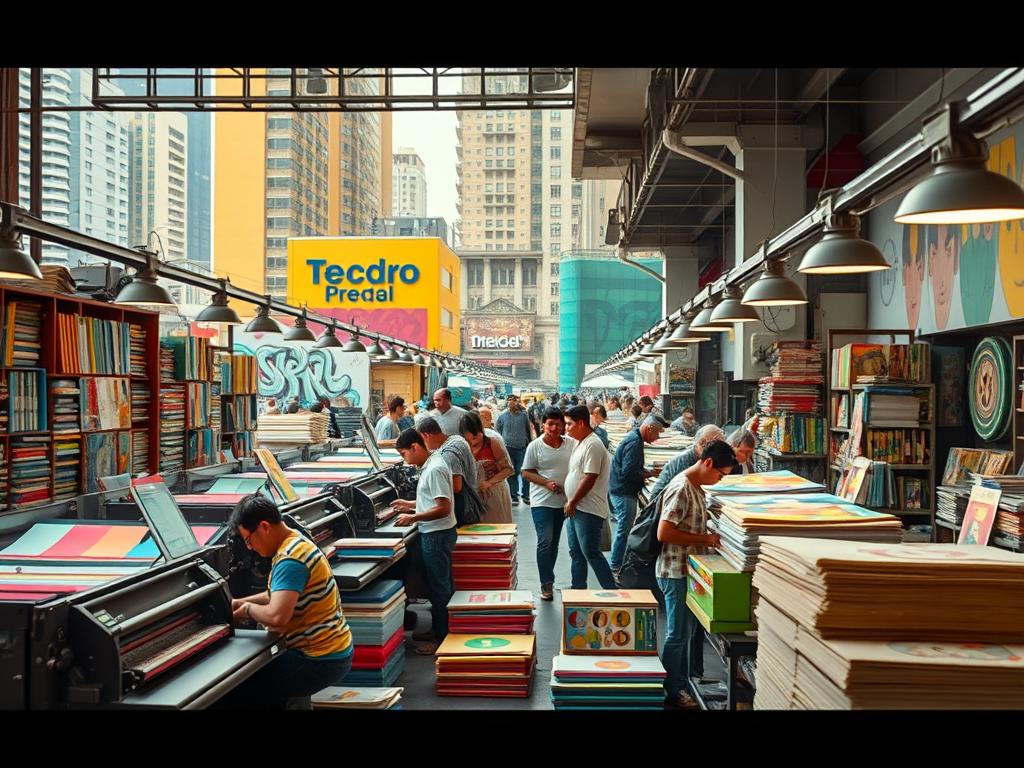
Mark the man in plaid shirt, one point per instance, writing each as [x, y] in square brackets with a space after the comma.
[682, 530]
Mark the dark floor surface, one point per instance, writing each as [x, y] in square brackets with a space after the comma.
[418, 677]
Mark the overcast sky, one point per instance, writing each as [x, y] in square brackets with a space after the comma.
[432, 135]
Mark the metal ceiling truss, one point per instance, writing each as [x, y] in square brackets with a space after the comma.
[996, 104]
[19, 221]
[336, 89]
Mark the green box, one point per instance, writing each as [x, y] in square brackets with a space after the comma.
[722, 592]
[717, 627]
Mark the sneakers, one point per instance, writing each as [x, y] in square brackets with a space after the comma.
[428, 636]
[547, 592]
[681, 701]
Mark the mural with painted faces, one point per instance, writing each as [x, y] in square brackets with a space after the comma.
[1009, 234]
[913, 271]
[942, 244]
[978, 277]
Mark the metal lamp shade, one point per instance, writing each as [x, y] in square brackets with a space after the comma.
[14, 262]
[329, 340]
[732, 310]
[144, 289]
[663, 344]
[219, 311]
[405, 357]
[841, 250]
[299, 331]
[389, 356]
[263, 323]
[419, 359]
[962, 191]
[352, 345]
[705, 324]
[648, 352]
[774, 289]
[682, 336]
[375, 350]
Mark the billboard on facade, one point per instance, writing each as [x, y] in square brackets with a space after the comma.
[497, 334]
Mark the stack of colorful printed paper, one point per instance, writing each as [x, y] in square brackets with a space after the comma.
[607, 682]
[741, 521]
[504, 612]
[846, 625]
[375, 616]
[485, 557]
[607, 621]
[486, 665]
[343, 697]
[370, 549]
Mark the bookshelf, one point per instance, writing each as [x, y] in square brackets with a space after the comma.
[863, 412]
[237, 374]
[1018, 407]
[70, 348]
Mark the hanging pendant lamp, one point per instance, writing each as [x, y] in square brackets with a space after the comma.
[263, 322]
[703, 322]
[14, 262]
[773, 288]
[841, 250]
[375, 351]
[218, 311]
[731, 309]
[144, 289]
[300, 331]
[329, 339]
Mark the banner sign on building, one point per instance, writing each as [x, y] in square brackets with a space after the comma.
[497, 334]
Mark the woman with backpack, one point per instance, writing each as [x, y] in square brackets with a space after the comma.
[493, 468]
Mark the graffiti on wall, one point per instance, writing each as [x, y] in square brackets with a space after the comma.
[951, 277]
[289, 369]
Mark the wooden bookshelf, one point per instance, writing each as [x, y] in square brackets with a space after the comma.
[51, 349]
[839, 432]
[1018, 413]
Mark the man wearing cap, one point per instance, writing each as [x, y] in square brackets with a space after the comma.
[626, 480]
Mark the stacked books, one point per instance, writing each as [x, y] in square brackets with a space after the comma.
[604, 621]
[486, 665]
[56, 279]
[66, 475]
[343, 697]
[485, 557]
[172, 427]
[5, 404]
[30, 470]
[67, 409]
[503, 612]
[106, 403]
[743, 520]
[375, 616]
[963, 461]
[797, 359]
[140, 452]
[21, 334]
[166, 363]
[897, 446]
[370, 548]
[779, 481]
[27, 399]
[92, 345]
[846, 625]
[203, 448]
[4, 475]
[191, 357]
[140, 401]
[215, 406]
[244, 374]
[607, 682]
[289, 429]
[137, 350]
[775, 395]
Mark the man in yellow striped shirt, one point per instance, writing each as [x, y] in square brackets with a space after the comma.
[302, 604]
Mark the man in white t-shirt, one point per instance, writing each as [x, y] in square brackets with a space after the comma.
[546, 466]
[434, 510]
[446, 414]
[586, 488]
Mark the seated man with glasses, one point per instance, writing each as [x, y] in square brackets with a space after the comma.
[302, 604]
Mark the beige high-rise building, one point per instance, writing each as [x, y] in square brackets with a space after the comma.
[158, 159]
[516, 193]
[409, 195]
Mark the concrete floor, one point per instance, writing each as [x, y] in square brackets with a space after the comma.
[418, 677]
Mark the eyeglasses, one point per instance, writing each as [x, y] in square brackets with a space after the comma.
[248, 540]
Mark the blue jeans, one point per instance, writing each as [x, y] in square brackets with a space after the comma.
[437, 550]
[679, 621]
[516, 456]
[625, 512]
[292, 674]
[548, 522]
[585, 547]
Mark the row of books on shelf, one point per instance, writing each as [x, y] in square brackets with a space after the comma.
[203, 447]
[22, 342]
[92, 345]
[879, 363]
[239, 414]
[799, 359]
[876, 484]
[237, 373]
[197, 404]
[26, 397]
[793, 433]
[172, 427]
[897, 446]
[962, 462]
[137, 336]
[778, 395]
[191, 357]
[897, 407]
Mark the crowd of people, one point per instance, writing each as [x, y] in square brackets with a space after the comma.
[553, 456]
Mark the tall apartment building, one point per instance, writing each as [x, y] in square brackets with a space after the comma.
[57, 143]
[409, 177]
[516, 193]
[159, 181]
[292, 174]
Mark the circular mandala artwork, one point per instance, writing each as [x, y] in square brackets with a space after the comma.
[487, 642]
[990, 386]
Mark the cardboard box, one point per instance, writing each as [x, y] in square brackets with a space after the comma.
[721, 591]
[609, 621]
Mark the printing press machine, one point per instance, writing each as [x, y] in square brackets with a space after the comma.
[160, 639]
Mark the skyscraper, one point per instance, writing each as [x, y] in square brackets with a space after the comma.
[409, 195]
[158, 168]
